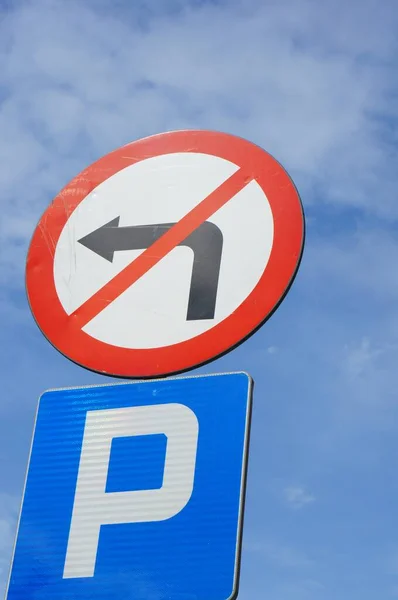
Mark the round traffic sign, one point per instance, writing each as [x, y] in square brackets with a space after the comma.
[165, 253]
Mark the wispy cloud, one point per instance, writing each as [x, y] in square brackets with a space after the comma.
[272, 349]
[78, 80]
[361, 357]
[297, 497]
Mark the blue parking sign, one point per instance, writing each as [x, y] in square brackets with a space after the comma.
[135, 491]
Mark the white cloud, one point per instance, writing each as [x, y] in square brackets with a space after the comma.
[361, 357]
[297, 497]
[78, 81]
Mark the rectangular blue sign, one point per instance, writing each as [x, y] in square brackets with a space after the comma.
[135, 491]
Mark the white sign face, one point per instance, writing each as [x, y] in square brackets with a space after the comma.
[165, 253]
[191, 289]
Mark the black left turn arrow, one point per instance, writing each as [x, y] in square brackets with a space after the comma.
[206, 242]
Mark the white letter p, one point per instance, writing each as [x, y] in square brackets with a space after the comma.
[94, 507]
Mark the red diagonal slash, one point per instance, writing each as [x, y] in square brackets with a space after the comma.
[152, 255]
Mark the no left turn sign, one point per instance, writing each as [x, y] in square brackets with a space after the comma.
[165, 253]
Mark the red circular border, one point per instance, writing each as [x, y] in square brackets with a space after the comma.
[62, 331]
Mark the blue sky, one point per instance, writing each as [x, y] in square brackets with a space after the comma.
[315, 84]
